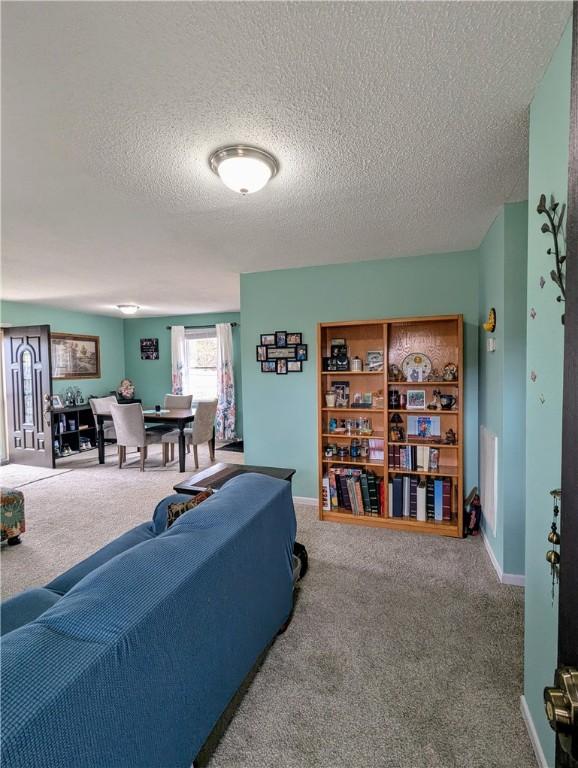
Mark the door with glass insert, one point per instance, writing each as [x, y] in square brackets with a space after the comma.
[28, 389]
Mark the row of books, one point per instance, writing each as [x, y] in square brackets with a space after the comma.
[423, 500]
[413, 457]
[359, 491]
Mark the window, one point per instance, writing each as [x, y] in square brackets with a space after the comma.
[201, 356]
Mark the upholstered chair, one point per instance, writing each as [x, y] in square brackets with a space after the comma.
[178, 401]
[130, 431]
[101, 407]
[201, 432]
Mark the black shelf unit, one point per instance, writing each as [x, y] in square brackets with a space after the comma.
[68, 426]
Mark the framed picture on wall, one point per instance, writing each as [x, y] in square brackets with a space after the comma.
[294, 338]
[281, 365]
[149, 349]
[75, 356]
[280, 338]
[268, 366]
[294, 366]
[268, 339]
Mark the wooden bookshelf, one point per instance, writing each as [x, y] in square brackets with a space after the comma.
[439, 339]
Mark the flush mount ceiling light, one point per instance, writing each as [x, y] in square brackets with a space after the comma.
[128, 309]
[243, 169]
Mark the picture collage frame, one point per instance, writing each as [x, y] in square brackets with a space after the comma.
[281, 352]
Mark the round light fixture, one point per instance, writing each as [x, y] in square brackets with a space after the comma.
[243, 169]
[128, 309]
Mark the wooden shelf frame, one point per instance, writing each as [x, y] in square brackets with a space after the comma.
[363, 336]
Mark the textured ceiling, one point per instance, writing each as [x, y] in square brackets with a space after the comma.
[400, 128]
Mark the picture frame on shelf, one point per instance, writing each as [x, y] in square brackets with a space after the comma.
[267, 339]
[294, 366]
[294, 338]
[280, 338]
[341, 389]
[56, 401]
[281, 364]
[261, 353]
[374, 360]
[415, 400]
[268, 366]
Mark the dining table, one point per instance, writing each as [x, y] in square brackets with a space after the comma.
[177, 418]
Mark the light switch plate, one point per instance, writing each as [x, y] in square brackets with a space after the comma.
[491, 345]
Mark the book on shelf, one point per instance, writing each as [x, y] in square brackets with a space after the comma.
[424, 500]
[438, 499]
[447, 499]
[376, 449]
[359, 491]
[413, 458]
[413, 481]
[326, 495]
[421, 501]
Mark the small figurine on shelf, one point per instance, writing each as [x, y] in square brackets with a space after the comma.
[450, 437]
[396, 432]
[450, 372]
[433, 375]
[78, 398]
[394, 373]
[69, 395]
[125, 390]
[435, 404]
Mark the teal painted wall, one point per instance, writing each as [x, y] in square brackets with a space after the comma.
[153, 377]
[491, 365]
[514, 388]
[548, 174]
[280, 412]
[110, 330]
[502, 375]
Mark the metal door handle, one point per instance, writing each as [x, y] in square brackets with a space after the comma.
[561, 704]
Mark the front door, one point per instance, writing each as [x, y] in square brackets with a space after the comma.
[562, 700]
[28, 389]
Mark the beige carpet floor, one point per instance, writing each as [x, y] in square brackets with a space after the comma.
[404, 651]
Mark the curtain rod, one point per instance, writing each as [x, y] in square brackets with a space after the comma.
[233, 325]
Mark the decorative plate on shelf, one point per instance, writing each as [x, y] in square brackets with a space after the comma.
[416, 367]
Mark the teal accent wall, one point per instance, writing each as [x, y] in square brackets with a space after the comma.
[502, 375]
[548, 156]
[153, 378]
[280, 412]
[110, 330]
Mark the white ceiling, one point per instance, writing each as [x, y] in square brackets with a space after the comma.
[400, 128]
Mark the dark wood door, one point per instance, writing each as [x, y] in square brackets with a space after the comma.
[567, 748]
[28, 390]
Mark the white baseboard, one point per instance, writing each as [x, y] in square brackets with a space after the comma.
[533, 734]
[306, 501]
[513, 579]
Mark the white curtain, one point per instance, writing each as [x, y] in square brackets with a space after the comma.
[178, 358]
[226, 411]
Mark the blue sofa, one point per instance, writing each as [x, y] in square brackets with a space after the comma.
[129, 658]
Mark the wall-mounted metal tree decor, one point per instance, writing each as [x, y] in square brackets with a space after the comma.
[555, 215]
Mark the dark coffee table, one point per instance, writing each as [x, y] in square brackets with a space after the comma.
[217, 475]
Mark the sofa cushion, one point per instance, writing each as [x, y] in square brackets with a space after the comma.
[161, 513]
[175, 510]
[66, 580]
[25, 607]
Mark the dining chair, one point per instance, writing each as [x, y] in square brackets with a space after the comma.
[101, 407]
[178, 401]
[201, 432]
[130, 430]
